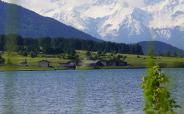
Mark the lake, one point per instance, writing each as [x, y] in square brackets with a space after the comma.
[79, 92]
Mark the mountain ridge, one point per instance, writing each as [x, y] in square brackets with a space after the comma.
[160, 48]
[119, 20]
[30, 24]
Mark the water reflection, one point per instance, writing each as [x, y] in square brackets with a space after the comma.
[116, 97]
[9, 82]
[176, 85]
[80, 95]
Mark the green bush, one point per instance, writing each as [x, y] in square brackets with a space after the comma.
[157, 97]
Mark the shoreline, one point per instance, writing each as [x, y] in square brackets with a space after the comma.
[45, 62]
[13, 68]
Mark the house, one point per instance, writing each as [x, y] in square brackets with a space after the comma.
[69, 65]
[116, 63]
[44, 63]
[99, 63]
[102, 63]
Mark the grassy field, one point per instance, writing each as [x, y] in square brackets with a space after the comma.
[142, 61]
[133, 61]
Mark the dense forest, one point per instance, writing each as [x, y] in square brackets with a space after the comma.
[62, 45]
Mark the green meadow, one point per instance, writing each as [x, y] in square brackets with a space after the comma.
[134, 61]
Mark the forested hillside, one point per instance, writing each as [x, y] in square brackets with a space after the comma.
[63, 45]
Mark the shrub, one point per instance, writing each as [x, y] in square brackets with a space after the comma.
[157, 97]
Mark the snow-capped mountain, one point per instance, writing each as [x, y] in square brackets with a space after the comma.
[118, 20]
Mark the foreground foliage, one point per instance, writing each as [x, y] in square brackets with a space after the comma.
[158, 99]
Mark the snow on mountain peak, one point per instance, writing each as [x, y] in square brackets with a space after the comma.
[117, 20]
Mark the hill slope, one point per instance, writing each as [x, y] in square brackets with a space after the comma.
[26, 23]
[161, 48]
[127, 21]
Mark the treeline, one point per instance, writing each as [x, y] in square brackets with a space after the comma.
[62, 45]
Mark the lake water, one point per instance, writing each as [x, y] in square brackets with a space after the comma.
[79, 92]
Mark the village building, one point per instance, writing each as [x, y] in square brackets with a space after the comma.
[116, 63]
[102, 63]
[99, 63]
[69, 65]
[44, 63]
